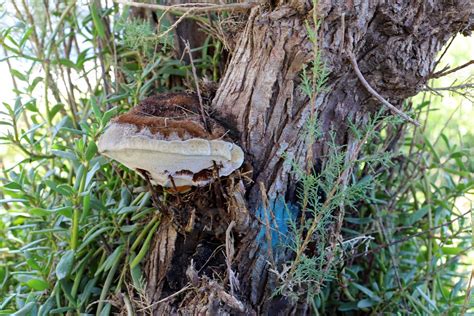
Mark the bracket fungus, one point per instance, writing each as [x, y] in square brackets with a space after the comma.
[166, 137]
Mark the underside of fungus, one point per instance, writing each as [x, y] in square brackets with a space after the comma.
[166, 139]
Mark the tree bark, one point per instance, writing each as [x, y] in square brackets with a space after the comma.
[261, 102]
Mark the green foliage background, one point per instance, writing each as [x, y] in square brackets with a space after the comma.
[75, 227]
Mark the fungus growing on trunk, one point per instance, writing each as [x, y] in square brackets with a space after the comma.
[166, 137]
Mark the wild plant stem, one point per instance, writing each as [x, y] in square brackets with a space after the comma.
[76, 213]
[330, 196]
[194, 7]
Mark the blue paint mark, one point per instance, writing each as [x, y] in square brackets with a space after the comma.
[283, 213]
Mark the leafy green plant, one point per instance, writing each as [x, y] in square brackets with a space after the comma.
[421, 233]
[74, 228]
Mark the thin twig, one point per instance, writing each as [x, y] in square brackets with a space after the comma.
[443, 73]
[445, 50]
[466, 304]
[196, 7]
[464, 90]
[128, 304]
[196, 80]
[428, 88]
[175, 24]
[396, 269]
[458, 107]
[376, 95]
[451, 88]
[187, 287]
[30, 153]
[47, 57]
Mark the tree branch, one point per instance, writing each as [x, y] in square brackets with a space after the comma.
[376, 95]
[465, 90]
[443, 73]
[196, 81]
[192, 7]
[451, 88]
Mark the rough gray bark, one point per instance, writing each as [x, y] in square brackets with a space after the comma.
[395, 43]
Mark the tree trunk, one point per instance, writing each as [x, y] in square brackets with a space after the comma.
[261, 102]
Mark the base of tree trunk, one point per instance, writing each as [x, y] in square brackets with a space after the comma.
[208, 255]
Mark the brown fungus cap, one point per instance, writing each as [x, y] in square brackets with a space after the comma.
[166, 136]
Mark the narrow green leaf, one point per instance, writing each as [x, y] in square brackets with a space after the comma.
[65, 265]
[452, 250]
[349, 306]
[65, 189]
[46, 307]
[32, 244]
[96, 109]
[38, 284]
[25, 310]
[55, 110]
[94, 235]
[18, 75]
[108, 115]
[26, 36]
[417, 215]
[431, 149]
[145, 247]
[64, 154]
[106, 310]
[31, 106]
[366, 303]
[68, 63]
[90, 174]
[61, 310]
[91, 150]
[137, 277]
[110, 261]
[117, 98]
[427, 298]
[81, 58]
[108, 282]
[86, 293]
[39, 211]
[34, 83]
[65, 211]
[367, 292]
[97, 21]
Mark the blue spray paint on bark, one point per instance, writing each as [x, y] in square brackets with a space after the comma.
[283, 213]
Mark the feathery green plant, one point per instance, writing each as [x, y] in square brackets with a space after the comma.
[401, 211]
